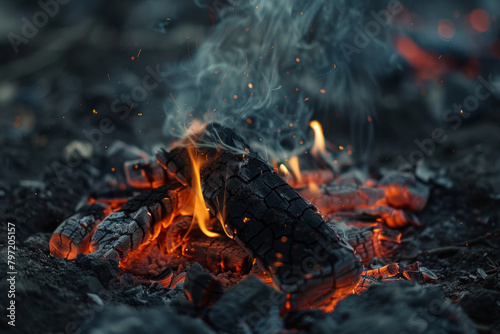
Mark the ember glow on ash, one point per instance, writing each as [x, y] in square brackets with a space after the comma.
[364, 212]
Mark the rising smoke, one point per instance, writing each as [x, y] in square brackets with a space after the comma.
[268, 65]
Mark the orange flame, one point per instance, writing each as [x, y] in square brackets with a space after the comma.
[283, 171]
[313, 188]
[319, 139]
[200, 210]
[294, 165]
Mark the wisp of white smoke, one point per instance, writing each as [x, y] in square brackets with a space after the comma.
[267, 65]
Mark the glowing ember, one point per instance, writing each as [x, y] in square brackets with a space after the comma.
[160, 231]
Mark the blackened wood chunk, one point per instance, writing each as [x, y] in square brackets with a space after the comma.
[201, 288]
[72, 236]
[125, 230]
[105, 270]
[266, 216]
[217, 254]
[249, 302]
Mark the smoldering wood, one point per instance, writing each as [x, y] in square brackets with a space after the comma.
[125, 230]
[72, 236]
[267, 217]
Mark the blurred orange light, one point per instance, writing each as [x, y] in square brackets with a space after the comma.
[479, 19]
[446, 29]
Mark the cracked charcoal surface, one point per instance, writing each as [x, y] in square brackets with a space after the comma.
[270, 219]
[247, 304]
[125, 230]
[71, 237]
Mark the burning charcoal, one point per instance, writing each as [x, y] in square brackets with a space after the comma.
[415, 273]
[248, 302]
[394, 218]
[362, 240]
[125, 230]
[389, 270]
[338, 197]
[228, 279]
[315, 177]
[164, 278]
[177, 279]
[201, 288]
[145, 174]
[177, 232]
[71, 237]
[403, 191]
[369, 242]
[267, 217]
[219, 255]
[412, 272]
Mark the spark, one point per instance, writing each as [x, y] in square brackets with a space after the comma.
[178, 108]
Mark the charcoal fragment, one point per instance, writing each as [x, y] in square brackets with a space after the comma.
[249, 302]
[106, 270]
[201, 288]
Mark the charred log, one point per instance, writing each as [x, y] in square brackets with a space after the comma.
[267, 217]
